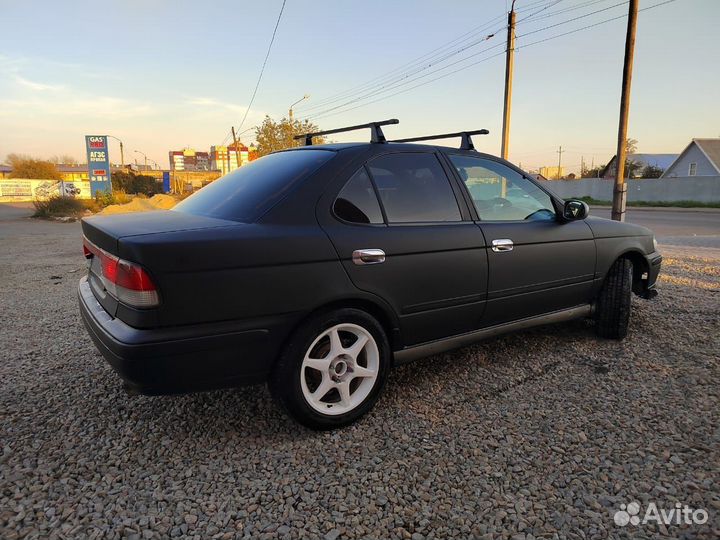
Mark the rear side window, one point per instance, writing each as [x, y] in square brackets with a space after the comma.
[357, 202]
[414, 188]
[248, 192]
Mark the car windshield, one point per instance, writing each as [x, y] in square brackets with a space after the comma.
[248, 192]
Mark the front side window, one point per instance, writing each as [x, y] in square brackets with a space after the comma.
[248, 192]
[414, 188]
[357, 202]
[692, 169]
[500, 193]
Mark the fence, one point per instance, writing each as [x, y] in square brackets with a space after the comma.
[704, 189]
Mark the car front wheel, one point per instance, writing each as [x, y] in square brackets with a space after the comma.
[333, 369]
[612, 309]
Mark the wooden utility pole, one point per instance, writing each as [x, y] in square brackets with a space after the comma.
[237, 148]
[509, 66]
[560, 153]
[620, 190]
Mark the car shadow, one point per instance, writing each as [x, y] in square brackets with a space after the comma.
[244, 414]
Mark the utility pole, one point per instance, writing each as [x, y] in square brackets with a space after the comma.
[620, 189]
[509, 66]
[237, 148]
[560, 153]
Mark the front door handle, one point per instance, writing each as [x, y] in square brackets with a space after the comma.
[502, 244]
[368, 256]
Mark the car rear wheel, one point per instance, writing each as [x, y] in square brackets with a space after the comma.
[333, 369]
[612, 309]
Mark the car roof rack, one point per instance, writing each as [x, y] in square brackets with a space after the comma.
[376, 134]
[465, 143]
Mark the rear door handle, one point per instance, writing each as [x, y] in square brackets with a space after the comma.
[502, 244]
[368, 256]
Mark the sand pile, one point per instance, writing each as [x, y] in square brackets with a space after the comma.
[156, 202]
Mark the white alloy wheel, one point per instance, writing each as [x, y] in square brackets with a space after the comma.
[340, 369]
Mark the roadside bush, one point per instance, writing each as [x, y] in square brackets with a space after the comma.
[58, 206]
[103, 199]
[129, 182]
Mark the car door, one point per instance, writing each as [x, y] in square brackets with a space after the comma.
[404, 233]
[537, 263]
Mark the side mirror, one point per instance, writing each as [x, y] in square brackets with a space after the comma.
[575, 210]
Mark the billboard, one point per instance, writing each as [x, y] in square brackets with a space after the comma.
[98, 164]
[21, 189]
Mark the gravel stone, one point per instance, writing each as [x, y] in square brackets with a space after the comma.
[517, 437]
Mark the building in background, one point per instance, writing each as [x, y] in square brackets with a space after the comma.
[551, 173]
[639, 163]
[700, 158]
[228, 158]
[189, 160]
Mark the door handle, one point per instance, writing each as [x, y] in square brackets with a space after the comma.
[368, 256]
[502, 244]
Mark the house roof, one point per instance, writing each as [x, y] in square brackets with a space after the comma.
[709, 147]
[656, 160]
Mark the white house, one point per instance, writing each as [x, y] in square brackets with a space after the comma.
[700, 158]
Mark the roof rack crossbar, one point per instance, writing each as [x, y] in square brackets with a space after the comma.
[376, 133]
[465, 143]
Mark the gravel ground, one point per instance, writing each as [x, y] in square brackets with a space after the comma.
[540, 434]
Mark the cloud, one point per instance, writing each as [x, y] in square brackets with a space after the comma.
[36, 85]
[216, 104]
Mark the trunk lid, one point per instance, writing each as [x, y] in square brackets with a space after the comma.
[106, 232]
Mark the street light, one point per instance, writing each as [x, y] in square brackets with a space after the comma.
[290, 113]
[142, 154]
[122, 154]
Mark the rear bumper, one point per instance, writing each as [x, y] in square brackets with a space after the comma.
[187, 358]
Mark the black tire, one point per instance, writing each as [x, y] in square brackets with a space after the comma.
[285, 382]
[612, 309]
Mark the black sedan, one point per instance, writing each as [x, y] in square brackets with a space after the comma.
[316, 269]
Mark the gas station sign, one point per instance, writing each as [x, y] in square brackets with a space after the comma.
[98, 164]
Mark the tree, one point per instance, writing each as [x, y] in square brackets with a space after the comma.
[27, 167]
[630, 146]
[272, 136]
[631, 167]
[129, 182]
[63, 159]
[652, 171]
[592, 173]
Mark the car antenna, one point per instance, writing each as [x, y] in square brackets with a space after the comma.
[376, 133]
[465, 141]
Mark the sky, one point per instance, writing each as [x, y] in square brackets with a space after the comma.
[165, 75]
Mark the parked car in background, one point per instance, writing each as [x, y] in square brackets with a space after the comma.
[318, 268]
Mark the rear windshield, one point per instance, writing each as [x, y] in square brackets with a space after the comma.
[247, 193]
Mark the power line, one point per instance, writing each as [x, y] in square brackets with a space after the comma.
[405, 69]
[593, 25]
[400, 81]
[262, 70]
[327, 113]
[573, 19]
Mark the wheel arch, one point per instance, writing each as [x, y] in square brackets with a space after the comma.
[384, 315]
[640, 267]
[374, 307]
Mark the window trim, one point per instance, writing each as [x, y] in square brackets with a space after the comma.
[557, 202]
[377, 197]
[448, 175]
[692, 171]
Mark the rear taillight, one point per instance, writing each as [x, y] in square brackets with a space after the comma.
[126, 281]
